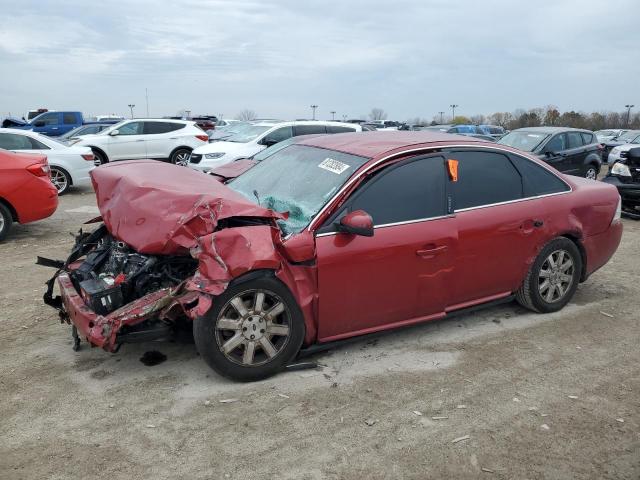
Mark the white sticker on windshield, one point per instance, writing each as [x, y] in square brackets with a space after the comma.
[333, 165]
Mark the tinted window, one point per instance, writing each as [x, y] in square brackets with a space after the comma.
[161, 127]
[575, 139]
[410, 191]
[484, 178]
[538, 180]
[557, 143]
[280, 134]
[131, 128]
[49, 118]
[309, 129]
[10, 141]
[68, 118]
[337, 129]
[587, 138]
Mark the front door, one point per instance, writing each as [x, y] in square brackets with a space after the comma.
[398, 276]
[129, 143]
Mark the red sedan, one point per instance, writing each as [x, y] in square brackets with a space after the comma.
[332, 237]
[26, 191]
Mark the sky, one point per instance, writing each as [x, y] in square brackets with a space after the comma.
[276, 58]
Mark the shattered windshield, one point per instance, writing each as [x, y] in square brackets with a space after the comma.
[298, 179]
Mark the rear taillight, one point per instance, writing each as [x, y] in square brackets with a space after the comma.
[39, 170]
[89, 157]
[203, 138]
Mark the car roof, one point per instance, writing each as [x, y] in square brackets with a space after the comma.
[551, 130]
[375, 144]
[267, 123]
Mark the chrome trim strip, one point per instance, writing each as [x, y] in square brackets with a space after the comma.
[426, 150]
[395, 224]
[511, 201]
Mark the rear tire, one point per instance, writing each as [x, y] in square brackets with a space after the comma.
[6, 220]
[180, 156]
[592, 171]
[252, 330]
[553, 278]
[60, 179]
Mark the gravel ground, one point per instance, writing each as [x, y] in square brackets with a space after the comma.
[527, 396]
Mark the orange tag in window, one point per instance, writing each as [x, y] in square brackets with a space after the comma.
[452, 165]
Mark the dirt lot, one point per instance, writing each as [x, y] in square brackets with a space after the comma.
[539, 396]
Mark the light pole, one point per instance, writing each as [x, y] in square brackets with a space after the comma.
[131, 105]
[628, 107]
[313, 108]
[453, 111]
[344, 118]
[441, 117]
[333, 114]
[187, 114]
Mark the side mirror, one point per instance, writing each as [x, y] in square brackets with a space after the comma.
[115, 132]
[39, 123]
[357, 222]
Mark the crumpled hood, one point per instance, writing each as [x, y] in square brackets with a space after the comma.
[160, 209]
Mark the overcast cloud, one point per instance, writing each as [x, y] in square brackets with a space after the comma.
[412, 58]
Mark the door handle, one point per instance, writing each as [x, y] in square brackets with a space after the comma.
[431, 251]
[141, 140]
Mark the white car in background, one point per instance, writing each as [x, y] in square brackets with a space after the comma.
[609, 135]
[255, 137]
[155, 138]
[619, 152]
[70, 165]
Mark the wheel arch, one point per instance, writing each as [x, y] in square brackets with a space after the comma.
[576, 239]
[12, 210]
[100, 151]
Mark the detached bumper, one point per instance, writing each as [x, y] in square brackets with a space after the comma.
[102, 331]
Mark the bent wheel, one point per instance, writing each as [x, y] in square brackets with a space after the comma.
[553, 278]
[252, 331]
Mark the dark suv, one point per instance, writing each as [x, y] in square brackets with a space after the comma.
[570, 150]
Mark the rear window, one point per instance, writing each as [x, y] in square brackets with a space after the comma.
[587, 138]
[309, 129]
[161, 127]
[538, 180]
[338, 129]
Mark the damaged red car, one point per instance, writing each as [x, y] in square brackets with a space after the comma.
[329, 238]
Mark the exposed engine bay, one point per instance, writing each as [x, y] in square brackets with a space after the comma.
[114, 275]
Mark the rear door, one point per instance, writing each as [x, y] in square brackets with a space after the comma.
[129, 143]
[161, 138]
[401, 274]
[497, 230]
[576, 153]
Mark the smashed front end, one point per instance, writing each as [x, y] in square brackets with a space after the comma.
[171, 240]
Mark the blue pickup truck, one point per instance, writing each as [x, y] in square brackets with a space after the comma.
[53, 124]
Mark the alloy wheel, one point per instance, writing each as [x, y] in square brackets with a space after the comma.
[556, 276]
[253, 327]
[1, 222]
[591, 174]
[59, 180]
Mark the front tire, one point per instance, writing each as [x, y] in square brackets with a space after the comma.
[180, 156]
[252, 330]
[6, 220]
[60, 179]
[553, 278]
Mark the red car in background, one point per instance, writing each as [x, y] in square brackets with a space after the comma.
[329, 238]
[26, 191]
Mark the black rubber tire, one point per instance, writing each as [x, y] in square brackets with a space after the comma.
[204, 333]
[101, 158]
[529, 295]
[178, 151]
[8, 221]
